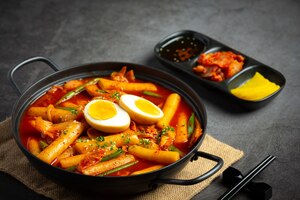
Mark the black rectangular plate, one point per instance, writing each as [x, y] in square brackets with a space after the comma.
[206, 45]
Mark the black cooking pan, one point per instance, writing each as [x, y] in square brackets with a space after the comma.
[111, 185]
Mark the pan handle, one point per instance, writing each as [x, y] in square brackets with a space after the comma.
[199, 178]
[28, 61]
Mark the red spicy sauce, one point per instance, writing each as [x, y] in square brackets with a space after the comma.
[27, 131]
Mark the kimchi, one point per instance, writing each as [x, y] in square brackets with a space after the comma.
[218, 66]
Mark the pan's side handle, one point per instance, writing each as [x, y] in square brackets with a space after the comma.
[28, 61]
[200, 178]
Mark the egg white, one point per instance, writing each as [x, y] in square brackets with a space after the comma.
[127, 102]
[117, 123]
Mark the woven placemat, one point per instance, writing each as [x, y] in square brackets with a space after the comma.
[20, 168]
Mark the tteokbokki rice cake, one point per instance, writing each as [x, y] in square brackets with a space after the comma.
[116, 125]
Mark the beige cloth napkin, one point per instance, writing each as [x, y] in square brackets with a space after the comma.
[13, 162]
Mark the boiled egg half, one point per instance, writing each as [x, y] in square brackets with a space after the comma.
[106, 116]
[141, 110]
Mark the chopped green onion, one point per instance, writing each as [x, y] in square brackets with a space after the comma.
[101, 91]
[71, 169]
[116, 95]
[166, 129]
[43, 144]
[118, 168]
[112, 155]
[72, 110]
[152, 94]
[144, 141]
[173, 148]
[79, 140]
[100, 138]
[191, 124]
[76, 91]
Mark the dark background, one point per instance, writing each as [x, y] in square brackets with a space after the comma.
[75, 32]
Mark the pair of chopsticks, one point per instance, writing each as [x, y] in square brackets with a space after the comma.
[247, 178]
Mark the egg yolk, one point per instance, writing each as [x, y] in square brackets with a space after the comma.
[146, 107]
[102, 110]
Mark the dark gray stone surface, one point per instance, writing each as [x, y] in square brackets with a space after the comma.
[76, 32]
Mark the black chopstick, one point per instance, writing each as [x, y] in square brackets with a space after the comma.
[247, 178]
